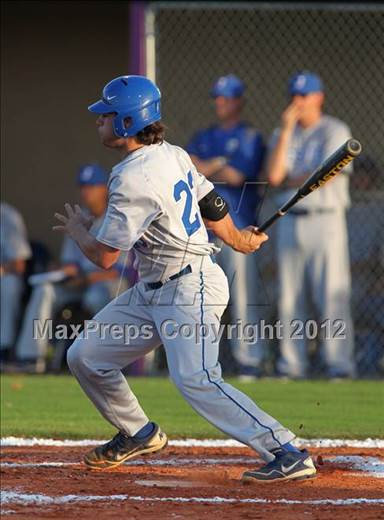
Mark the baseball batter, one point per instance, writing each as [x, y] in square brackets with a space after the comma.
[157, 203]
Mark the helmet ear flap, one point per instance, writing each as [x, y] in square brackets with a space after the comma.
[139, 119]
[119, 126]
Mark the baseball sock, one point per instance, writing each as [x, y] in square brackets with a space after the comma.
[289, 447]
[145, 431]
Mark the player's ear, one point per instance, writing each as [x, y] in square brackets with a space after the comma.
[127, 122]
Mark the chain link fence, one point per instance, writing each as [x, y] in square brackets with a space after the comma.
[264, 43]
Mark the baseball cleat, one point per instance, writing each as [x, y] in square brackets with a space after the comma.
[288, 465]
[122, 448]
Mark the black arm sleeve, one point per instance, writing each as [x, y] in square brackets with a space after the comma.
[213, 207]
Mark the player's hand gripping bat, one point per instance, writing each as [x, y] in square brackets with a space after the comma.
[331, 167]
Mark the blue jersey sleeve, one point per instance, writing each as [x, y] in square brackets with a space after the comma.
[198, 145]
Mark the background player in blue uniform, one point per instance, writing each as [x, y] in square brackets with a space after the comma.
[230, 154]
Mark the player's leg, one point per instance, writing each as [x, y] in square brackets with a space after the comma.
[193, 362]
[291, 259]
[99, 294]
[33, 340]
[11, 292]
[245, 295]
[257, 310]
[331, 287]
[118, 335]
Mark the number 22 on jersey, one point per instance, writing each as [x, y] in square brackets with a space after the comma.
[191, 226]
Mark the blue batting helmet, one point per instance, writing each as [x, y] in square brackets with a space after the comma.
[228, 86]
[136, 97]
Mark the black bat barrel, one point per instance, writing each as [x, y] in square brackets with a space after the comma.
[331, 166]
[324, 173]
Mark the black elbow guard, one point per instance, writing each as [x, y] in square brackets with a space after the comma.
[213, 207]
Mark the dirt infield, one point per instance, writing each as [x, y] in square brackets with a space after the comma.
[51, 482]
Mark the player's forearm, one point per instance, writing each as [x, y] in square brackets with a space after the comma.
[14, 267]
[100, 254]
[70, 270]
[277, 163]
[102, 276]
[224, 229]
[229, 175]
[242, 240]
[208, 167]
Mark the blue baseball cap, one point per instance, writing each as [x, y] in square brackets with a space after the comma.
[305, 82]
[91, 175]
[228, 86]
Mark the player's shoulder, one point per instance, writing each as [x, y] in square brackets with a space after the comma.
[125, 167]
[147, 169]
[172, 158]
[249, 131]
[6, 208]
[134, 163]
[127, 175]
[333, 123]
[205, 134]
[177, 151]
[10, 214]
[162, 156]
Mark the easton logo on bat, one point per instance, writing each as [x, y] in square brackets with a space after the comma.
[335, 170]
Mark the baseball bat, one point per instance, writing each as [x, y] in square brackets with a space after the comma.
[330, 167]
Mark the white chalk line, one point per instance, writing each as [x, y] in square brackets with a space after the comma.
[366, 466]
[12, 497]
[148, 462]
[198, 443]
[24, 465]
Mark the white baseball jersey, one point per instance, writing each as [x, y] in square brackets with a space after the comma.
[153, 208]
[307, 150]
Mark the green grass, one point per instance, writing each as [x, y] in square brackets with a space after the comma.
[55, 406]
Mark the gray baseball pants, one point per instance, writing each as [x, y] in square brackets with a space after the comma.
[314, 273]
[193, 301]
[247, 302]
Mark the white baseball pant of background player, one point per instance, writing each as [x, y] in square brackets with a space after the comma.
[313, 256]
